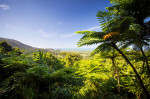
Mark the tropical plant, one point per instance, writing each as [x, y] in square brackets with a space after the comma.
[116, 30]
[140, 27]
[70, 58]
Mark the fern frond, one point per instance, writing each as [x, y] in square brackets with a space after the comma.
[85, 32]
[88, 41]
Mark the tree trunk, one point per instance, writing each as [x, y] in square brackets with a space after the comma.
[144, 56]
[116, 70]
[143, 66]
[146, 60]
[138, 76]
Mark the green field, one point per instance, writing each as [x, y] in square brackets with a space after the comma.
[85, 54]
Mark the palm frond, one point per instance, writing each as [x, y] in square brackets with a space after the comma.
[88, 41]
[90, 37]
[85, 32]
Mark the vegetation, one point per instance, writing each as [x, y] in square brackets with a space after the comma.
[67, 75]
[117, 69]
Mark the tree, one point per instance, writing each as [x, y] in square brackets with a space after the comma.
[116, 30]
[92, 37]
[17, 51]
[138, 44]
[118, 21]
[138, 10]
[113, 55]
[5, 47]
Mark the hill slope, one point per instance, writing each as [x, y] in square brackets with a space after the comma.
[15, 43]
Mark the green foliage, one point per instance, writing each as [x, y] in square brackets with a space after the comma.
[48, 59]
[40, 71]
[39, 75]
[5, 47]
[16, 51]
[99, 78]
[70, 58]
[42, 76]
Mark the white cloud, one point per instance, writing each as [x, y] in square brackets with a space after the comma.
[4, 6]
[73, 34]
[68, 35]
[94, 28]
[46, 35]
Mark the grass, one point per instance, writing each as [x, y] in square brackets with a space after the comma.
[85, 54]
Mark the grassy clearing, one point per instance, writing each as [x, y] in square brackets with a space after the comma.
[85, 54]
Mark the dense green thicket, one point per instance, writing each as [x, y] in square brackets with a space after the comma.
[41, 75]
[36, 75]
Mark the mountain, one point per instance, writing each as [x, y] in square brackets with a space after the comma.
[15, 43]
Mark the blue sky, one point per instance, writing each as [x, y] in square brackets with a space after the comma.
[49, 23]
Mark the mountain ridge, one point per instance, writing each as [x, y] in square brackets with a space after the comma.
[22, 46]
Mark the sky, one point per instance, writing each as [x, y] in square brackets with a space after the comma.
[49, 23]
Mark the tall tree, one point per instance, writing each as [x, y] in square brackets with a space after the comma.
[116, 25]
[92, 37]
[139, 11]
[113, 55]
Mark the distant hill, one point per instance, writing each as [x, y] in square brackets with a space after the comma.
[15, 43]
